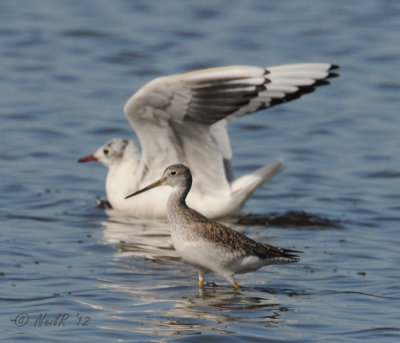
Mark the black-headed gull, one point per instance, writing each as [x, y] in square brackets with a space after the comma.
[182, 119]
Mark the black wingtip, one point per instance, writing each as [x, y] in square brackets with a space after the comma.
[332, 75]
[292, 254]
[292, 251]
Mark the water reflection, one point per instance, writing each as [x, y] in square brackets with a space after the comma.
[134, 237]
[219, 310]
[178, 311]
[164, 295]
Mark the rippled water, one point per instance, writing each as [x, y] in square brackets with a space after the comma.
[70, 272]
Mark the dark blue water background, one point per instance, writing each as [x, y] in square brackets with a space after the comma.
[66, 69]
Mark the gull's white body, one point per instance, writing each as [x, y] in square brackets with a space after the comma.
[120, 181]
[182, 119]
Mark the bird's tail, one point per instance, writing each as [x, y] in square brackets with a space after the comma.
[291, 255]
[245, 185]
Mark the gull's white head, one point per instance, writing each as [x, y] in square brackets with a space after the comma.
[113, 152]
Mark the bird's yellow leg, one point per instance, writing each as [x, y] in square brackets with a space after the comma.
[201, 278]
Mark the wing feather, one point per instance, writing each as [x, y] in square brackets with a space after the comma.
[175, 117]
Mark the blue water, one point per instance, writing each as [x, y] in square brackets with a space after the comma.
[68, 272]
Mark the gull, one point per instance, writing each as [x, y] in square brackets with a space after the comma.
[183, 119]
[208, 245]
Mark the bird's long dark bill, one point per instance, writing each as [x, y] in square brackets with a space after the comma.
[155, 184]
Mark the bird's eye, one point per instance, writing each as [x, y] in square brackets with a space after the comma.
[173, 173]
[106, 151]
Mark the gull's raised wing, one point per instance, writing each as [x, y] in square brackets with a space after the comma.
[175, 116]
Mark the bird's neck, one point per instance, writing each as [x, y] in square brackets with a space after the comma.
[177, 197]
[121, 180]
[176, 205]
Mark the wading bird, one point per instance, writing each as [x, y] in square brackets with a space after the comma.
[207, 245]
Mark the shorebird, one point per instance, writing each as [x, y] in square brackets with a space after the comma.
[207, 245]
[182, 119]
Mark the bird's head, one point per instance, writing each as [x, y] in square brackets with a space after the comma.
[112, 152]
[176, 175]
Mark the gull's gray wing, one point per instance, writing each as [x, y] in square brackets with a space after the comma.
[182, 118]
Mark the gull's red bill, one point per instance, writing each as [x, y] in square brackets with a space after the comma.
[89, 158]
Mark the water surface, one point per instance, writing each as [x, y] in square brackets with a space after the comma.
[66, 70]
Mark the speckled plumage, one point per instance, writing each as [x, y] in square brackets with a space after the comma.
[230, 240]
[208, 245]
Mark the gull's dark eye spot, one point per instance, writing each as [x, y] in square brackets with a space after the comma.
[173, 173]
[106, 151]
